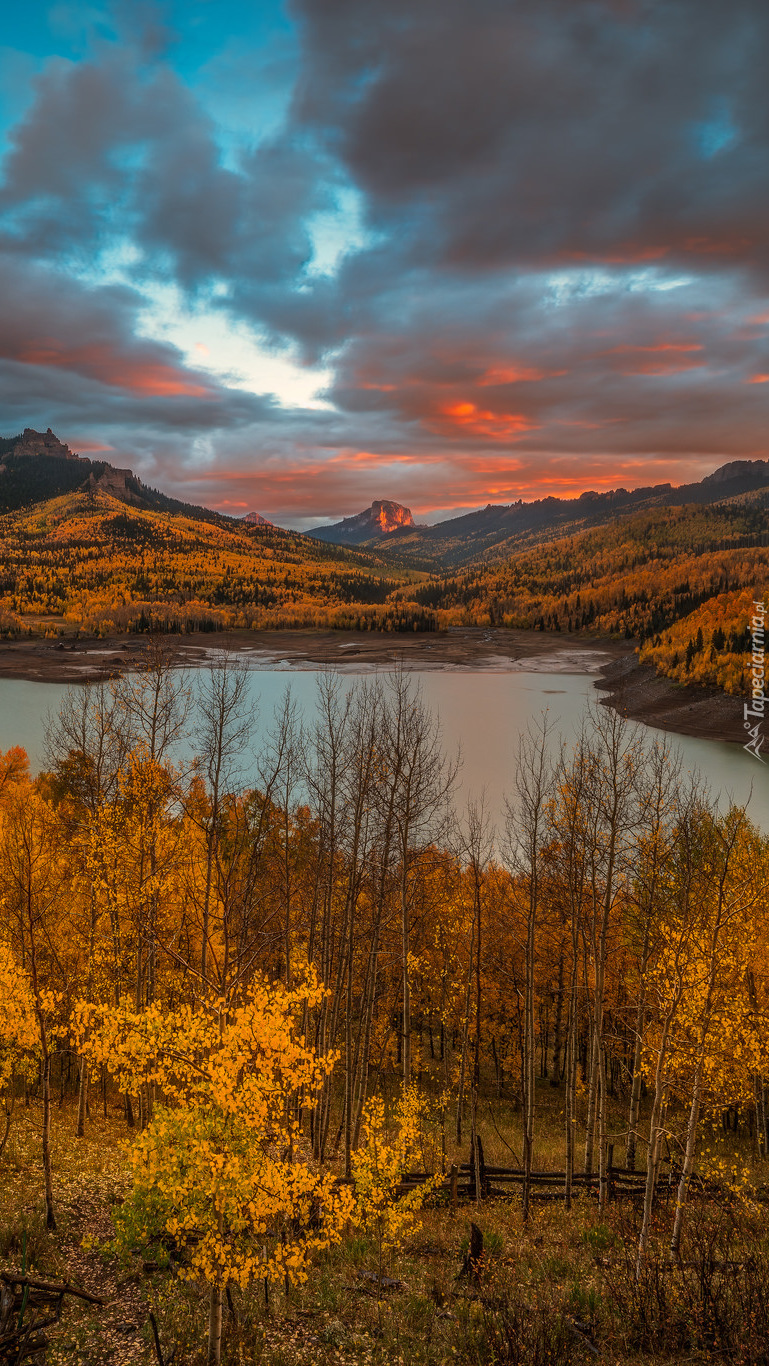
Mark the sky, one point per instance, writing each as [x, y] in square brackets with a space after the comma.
[293, 257]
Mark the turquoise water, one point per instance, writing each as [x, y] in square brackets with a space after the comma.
[482, 711]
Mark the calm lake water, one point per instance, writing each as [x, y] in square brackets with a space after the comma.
[480, 710]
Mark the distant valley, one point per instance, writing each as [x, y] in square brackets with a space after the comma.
[86, 546]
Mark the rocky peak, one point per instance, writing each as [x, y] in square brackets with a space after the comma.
[256, 519]
[389, 516]
[739, 469]
[43, 443]
[117, 483]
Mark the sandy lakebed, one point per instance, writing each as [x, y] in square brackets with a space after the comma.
[632, 688]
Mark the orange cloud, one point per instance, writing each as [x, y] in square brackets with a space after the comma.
[758, 379]
[658, 346]
[515, 374]
[624, 256]
[89, 447]
[138, 375]
[714, 246]
[671, 357]
[484, 422]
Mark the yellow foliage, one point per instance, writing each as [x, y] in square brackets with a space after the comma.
[219, 1169]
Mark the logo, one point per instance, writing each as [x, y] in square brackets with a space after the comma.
[753, 711]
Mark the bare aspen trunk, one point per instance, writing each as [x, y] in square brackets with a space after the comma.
[50, 1219]
[406, 1018]
[477, 1042]
[348, 1059]
[82, 1099]
[215, 1325]
[529, 1064]
[635, 1092]
[655, 1132]
[571, 1118]
[602, 1172]
[465, 1038]
[688, 1163]
[592, 1100]
[558, 1023]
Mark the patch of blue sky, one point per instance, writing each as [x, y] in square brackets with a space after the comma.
[717, 133]
[17, 74]
[569, 285]
[337, 232]
[231, 351]
[203, 28]
[42, 30]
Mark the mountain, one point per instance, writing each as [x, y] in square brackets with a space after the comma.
[37, 466]
[383, 518]
[87, 560]
[498, 531]
[86, 543]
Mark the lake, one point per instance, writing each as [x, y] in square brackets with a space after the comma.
[481, 710]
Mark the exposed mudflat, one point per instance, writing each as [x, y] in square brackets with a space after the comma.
[638, 692]
[632, 688]
[80, 660]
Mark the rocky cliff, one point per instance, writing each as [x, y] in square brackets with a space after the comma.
[381, 519]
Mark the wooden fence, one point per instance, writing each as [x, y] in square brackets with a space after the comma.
[459, 1186]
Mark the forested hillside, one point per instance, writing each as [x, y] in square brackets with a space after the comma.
[494, 533]
[639, 577]
[89, 561]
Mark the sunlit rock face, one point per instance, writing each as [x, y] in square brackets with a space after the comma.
[382, 518]
[42, 443]
[256, 519]
[388, 516]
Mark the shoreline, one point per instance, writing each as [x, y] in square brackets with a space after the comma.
[633, 689]
[90, 659]
[638, 692]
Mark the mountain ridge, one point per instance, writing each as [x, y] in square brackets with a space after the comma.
[499, 530]
[383, 518]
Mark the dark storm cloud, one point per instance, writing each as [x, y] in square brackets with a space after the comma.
[562, 281]
[549, 129]
[111, 148]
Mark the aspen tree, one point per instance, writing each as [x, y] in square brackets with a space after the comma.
[224, 721]
[422, 780]
[527, 832]
[476, 844]
[732, 860]
[617, 754]
[219, 1168]
[661, 802]
[34, 881]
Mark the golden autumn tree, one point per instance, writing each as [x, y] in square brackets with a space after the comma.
[18, 1032]
[221, 1168]
[378, 1166]
[34, 879]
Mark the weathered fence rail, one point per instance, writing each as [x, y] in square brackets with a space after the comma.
[622, 1183]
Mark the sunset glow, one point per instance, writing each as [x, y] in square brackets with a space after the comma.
[302, 271]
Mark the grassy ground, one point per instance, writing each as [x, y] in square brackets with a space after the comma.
[561, 1290]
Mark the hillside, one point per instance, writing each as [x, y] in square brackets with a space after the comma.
[498, 531]
[36, 467]
[89, 561]
[101, 552]
[645, 576]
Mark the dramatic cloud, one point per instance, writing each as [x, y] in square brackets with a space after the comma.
[444, 253]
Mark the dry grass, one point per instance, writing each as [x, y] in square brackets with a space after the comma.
[561, 1290]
